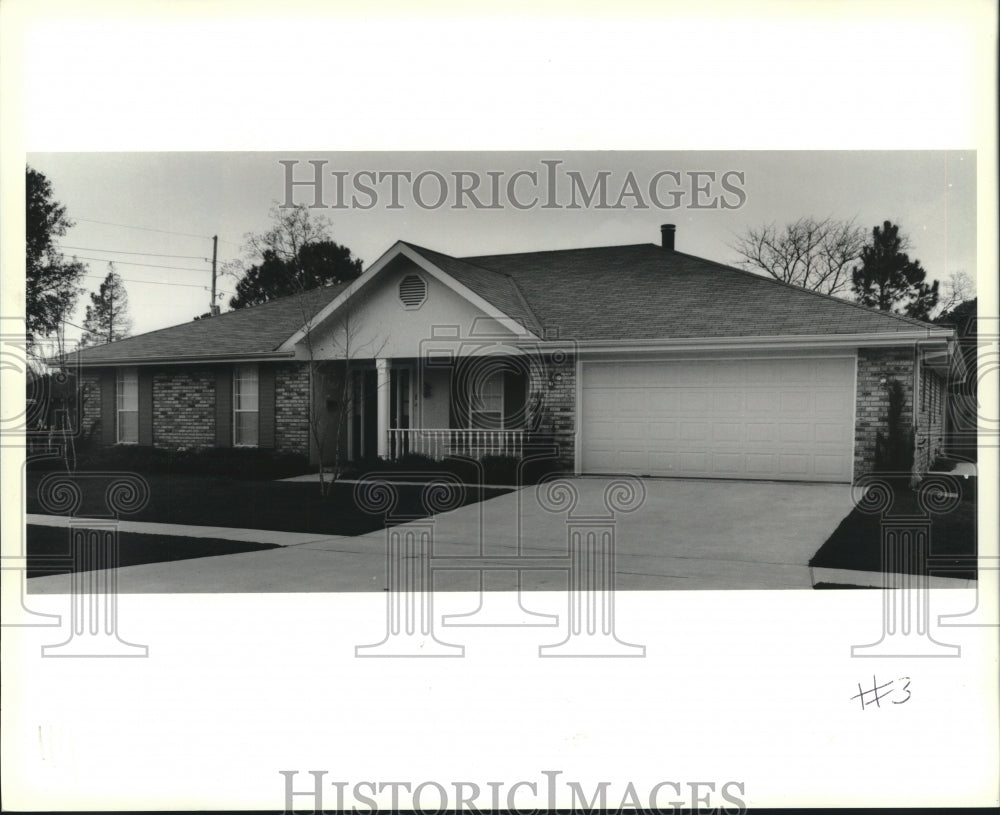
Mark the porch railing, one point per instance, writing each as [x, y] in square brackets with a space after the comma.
[440, 443]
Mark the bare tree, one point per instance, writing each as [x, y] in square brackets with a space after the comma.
[958, 288]
[293, 257]
[295, 254]
[346, 347]
[816, 255]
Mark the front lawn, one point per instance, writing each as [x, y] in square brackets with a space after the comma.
[857, 542]
[292, 507]
[49, 551]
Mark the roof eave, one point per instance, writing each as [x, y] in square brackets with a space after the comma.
[175, 359]
[884, 339]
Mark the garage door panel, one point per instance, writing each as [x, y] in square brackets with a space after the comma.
[759, 418]
[759, 432]
[766, 402]
[796, 402]
[662, 431]
[831, 465]
[761, 464]
[693, 431]
[694, 401]
[724, 464]
[829, 433]
[794, 464]
[727, 431]
[727, 401]
[831, 402]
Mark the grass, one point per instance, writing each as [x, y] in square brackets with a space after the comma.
[215, 501]
[49, 549]
[857, 542]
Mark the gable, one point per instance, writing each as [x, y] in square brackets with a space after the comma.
[378, 322]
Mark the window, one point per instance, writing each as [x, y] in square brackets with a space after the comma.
[245, 410]
[486, 403]
[127, 412]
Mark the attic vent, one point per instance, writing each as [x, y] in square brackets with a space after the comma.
[412, 290]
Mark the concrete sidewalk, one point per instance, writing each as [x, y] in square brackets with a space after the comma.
[692, 534]
[186, 531]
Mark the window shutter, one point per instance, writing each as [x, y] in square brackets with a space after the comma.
[146, 407]
[265, 406]
[224, 407]
[108, 406]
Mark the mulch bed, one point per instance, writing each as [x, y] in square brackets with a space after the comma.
[857, 541]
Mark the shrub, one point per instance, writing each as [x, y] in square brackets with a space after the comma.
[894, 449]
[245, 464]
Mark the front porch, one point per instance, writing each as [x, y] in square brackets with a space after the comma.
[394, 408]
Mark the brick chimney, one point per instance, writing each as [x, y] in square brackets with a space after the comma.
[667, 232]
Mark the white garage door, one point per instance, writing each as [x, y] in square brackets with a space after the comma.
[741, 418]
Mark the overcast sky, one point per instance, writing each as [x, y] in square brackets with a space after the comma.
[168, 205]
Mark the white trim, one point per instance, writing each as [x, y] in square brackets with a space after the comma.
[792, 341]
[236, 411]
[400, 249]
[182, 360]
[577, 424]
[854, 422]
[120, 376]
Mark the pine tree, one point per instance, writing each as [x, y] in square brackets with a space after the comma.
[107, 317]
[888, 280]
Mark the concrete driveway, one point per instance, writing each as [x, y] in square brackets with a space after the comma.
[686, 534]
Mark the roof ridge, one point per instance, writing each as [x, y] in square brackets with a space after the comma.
[866, 309]
[554, 251]
[517, 289]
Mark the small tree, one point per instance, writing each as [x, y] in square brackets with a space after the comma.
[296, 255]
[888, 280]
[816, 255]
[107, 318]
[50, 281]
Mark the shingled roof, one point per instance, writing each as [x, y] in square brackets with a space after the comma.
[643, 292]
[634, 292]
[248, 331]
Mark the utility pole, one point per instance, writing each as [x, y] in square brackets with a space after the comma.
[213, 309]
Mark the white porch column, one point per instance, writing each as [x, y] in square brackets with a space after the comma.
[382, 402]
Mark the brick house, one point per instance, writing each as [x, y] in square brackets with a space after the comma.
[637, 358]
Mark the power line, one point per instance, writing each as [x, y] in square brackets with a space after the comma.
[151, 282]
[144, 254]
[147, 265]
[144, 228]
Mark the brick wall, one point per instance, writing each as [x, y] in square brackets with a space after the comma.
[930, 422]
[556, 382]
[874, 366]
[184, 408]
[291, 409]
